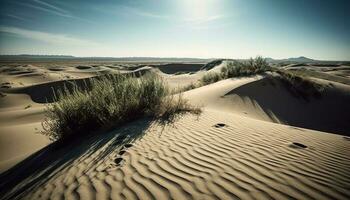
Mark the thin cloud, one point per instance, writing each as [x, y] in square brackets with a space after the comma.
[127, 10]
[201, 20]
[50, 6]
[152, 15]
[52, 9]
[206, 19]
[46, 37]
[47, 9]
[143, 13]
[16, 17]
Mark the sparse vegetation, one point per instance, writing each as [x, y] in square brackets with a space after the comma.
[257, 65]
[300, 85]
[295, 81]
[111, 101]
[211, 77]
[245, 68]
[28, 106]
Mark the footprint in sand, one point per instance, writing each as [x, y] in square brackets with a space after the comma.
[121, 152]
[128, 145]
[118, 161]
[219, 125]
[298, 145]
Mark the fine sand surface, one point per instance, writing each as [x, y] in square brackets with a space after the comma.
[254, 140]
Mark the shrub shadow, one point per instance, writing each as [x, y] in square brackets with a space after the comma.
[33, 172]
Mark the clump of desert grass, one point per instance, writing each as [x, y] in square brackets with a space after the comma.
[253, 66]
[111, 101]
[237, 68]
[300, 85]
[296, 83]
[211, 77]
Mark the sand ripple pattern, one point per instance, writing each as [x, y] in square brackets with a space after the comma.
[193, 159]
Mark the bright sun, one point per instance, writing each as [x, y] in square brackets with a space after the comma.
[198, 9]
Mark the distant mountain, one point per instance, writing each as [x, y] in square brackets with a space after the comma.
[268, 59]
[300, 59]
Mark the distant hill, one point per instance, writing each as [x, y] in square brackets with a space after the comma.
[300, 59]
[305, 60]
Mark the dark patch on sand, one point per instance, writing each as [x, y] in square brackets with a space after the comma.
[219, 125]
[128, 145]
[121, 152]
[81, 67]
[298, 145]
[118, 161]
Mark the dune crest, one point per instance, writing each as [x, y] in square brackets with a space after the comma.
[328, 113]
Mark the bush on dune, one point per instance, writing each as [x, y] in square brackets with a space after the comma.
[295, 83]
[245, 68]
[111, 101]
[300, 85]
[257, 65]
[211, 77]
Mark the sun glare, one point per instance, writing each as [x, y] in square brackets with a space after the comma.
[199, 9]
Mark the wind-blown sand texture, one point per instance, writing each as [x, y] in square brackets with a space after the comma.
[250, 142]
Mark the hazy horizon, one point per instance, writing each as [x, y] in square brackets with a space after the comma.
[177, 28]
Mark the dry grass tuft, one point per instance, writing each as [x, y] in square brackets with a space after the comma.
[111, 101]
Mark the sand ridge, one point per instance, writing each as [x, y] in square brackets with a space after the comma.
[240, 147]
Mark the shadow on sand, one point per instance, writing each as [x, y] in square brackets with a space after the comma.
[94, 151]
[330, 113]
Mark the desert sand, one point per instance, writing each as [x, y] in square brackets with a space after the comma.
[254, 140]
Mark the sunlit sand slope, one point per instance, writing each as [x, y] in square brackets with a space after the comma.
[239, 158]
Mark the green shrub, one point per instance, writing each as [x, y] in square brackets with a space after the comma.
[211, 77]
[300, 85]
[110, 101]
[245, 68]
[254, 66]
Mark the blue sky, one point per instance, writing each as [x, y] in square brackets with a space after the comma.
[318, 29]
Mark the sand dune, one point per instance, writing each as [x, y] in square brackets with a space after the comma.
[239, 147]
[329, 113]
[246, 158]
[20, 124]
